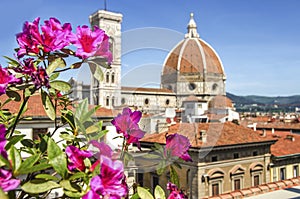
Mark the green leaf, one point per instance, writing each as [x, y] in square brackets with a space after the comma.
[67, 137]
[4, 161]
[39, 186]
[135, 196]
[27, 165]
[101, 61]
[57, 158]
[74, 194]
[12, 61]
[15, 157]
[48, 106]
[54, 76]
[60, 85]
[66, 184]
[174, 176]
[13, 95]
[13, 140]
[3, 195]
[144, 193]
[77, 175]
[161, 167]
[159, 193]
[39, 167]
[96, 70]
[58, 62]
[46, 177]
[76, 65]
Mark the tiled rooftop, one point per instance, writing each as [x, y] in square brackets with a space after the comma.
[218, 134]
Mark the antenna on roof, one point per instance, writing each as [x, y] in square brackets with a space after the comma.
[105, 5]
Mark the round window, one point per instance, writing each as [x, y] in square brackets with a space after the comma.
[167, 102]
[146, 101]
[123, 101]
[192, 86]
[215, 86]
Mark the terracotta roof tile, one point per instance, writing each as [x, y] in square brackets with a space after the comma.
[218, 134]
[35, 107]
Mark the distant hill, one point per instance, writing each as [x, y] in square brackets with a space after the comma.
[281, 103]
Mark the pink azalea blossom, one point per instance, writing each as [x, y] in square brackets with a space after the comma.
[178, 145]
[3, 141]
[6, 181]
[111, 181]
[37, 74]
[30, 40]
[55, 36]
[127, 124]
[88, 42]
[175, 192]
[103, 49]
[76, 157]
[5, 79]
[103, 149]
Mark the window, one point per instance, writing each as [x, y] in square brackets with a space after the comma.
[37, 131]
[123, 100]
[140, 179]
[254, 153]
[107, 77]
[295, 171]
[113, 78]
[113, 101]
[215, 189]
[237, 184]
[236, 155]
[167, 102]
[107, 101]
[214, 87]
[155, 181]
[256, 180]
[282, 173]
[192, 86]
[214, 158]
[146, 101]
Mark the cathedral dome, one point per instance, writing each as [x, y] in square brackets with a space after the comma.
[193, 55]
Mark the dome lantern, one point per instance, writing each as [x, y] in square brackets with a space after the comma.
[192, 28]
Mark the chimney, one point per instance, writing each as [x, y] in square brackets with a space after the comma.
[273, 130]
[203, 136]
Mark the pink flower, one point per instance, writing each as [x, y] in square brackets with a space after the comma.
[76, 157]
[6, 181]
[104, 150]
[5, 79]
[3, 152]
[127, 124]
[88, 42]
[111, 181]
[37, 74]
[55, 36]
[103, 49]
[178, 145]
[30, 39]
[175, 192]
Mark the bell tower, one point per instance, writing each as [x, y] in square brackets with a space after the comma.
[107, 93]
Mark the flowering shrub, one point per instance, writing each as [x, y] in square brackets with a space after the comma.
[81, 168]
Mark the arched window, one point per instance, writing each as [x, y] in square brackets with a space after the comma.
[256, 171]
[113, 77]
[215, 178]
[107, 101]
[107, 77]
[113, 101]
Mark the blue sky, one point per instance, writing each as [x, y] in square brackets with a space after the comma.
[257, 40]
